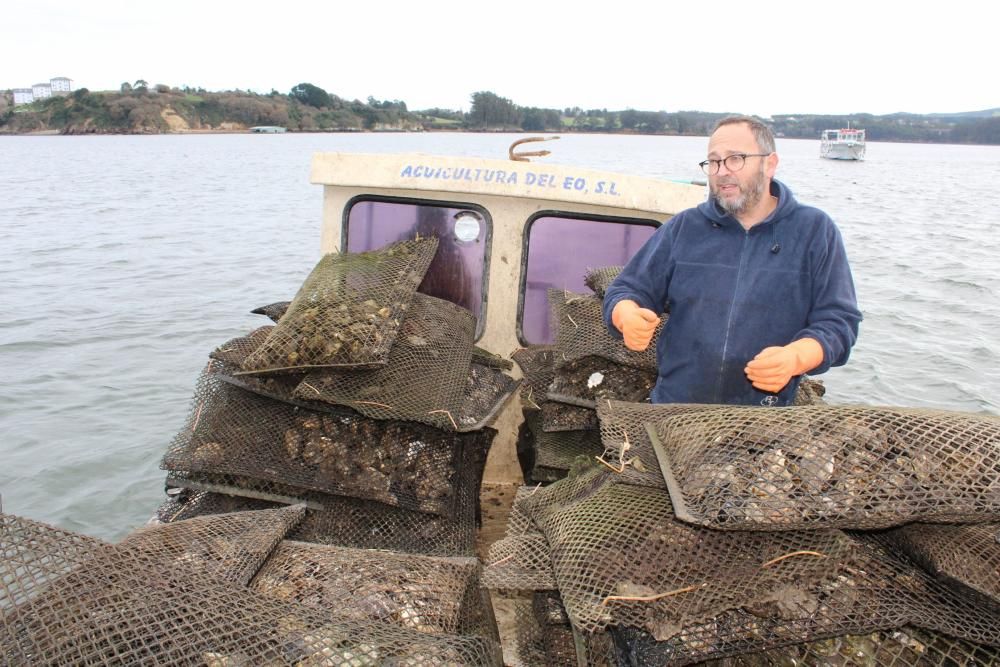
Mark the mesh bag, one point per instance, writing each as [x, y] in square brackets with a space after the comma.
[348, 311]
[628, 449]
[621, 558]
[556, 645]
[235, 432]
[349, 522]
[485, 391]
[581, 332]
[273, 311]
[965, 555]
[520, 560]
[234, 352]
[554, 453]
[487, 358]
[600, 279]
[905, 647]
[432, 595]
[557, 416]
[588, 379]
[424, 377]
[66, 602]
[874, 591]
[538, 366]
[231, 547]
[848, 467]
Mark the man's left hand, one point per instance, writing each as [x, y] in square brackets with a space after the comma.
[774, 367]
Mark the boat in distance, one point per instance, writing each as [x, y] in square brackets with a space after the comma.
[843, 144]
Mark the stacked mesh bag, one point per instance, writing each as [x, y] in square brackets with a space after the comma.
[364, 407]
[813, 534]
[365, 400]
[230, 590]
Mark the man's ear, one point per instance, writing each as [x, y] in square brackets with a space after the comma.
[771, 164]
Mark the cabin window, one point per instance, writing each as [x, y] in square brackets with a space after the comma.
[458, 272]
[559, 250]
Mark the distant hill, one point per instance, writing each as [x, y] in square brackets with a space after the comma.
[141, 109]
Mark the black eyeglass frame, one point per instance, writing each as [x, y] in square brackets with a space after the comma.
[704, 164]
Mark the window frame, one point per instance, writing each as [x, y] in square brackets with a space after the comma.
[440, 203]
[558, 213]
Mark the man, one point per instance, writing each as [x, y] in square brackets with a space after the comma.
[757, 286]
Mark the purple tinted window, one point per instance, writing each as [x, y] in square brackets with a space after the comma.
[560, 251]
[456, 274]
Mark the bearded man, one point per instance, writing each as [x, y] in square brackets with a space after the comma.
[757, 286]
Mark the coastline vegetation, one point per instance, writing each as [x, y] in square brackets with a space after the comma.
[138, 108]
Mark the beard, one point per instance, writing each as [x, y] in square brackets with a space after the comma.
[747, 199]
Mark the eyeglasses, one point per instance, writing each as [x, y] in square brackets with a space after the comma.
[733, 162]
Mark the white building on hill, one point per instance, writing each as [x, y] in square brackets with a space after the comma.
[41, 90]
[23, 96]
[61, 85]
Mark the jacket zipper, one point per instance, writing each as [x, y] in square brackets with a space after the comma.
[729, 322]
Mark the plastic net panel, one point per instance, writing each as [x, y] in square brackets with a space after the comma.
[352, 522]
[558, 416]
[628, 449]
[419, 592]
[849, 467]
[486, 389]
[968, 555]
[581, 332]
[905, 647]
[425, 374]
[555, 452]
[65, 604]
[235, 432]
[538, 366]
[231, 547]
[600, 279]
[520, 560]
[588, 379]
[348, 310]
[621, 558]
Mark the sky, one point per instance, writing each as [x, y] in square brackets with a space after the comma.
[764, 58]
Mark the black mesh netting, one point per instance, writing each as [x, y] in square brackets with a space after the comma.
[581, 332]
[628, 449]
[620, 559]
[539, 641]
[905, 647]
[272, 311]
[348, 311]
[68, 601]
[425, 374]
[850, 467]
[538, 366]
[557, 416]
[432, 595]
[967, 555]
[601, 278]
[588, 379]
[485, 389]
[232, 431]
[520, 560]
[553, 453]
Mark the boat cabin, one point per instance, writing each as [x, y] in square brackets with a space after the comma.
[508, 230]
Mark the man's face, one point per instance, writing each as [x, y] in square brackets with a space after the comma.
[738, 191]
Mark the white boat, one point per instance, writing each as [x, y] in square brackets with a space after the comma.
[843, 144]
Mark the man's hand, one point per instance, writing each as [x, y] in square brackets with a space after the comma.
[637, 324]
[773, 367]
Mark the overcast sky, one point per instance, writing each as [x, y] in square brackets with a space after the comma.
[762, 58]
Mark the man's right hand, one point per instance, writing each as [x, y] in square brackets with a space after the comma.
[637, 324]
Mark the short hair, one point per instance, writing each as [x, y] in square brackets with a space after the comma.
[761, 132]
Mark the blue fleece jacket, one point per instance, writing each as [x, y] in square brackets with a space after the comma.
[732, 292]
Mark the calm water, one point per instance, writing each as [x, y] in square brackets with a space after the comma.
[127, 259]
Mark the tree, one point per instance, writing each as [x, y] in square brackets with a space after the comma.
[491, 110]
[311, 95]
[140, 85]
[126, 88]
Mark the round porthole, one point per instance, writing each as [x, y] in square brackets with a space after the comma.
[468, 225]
